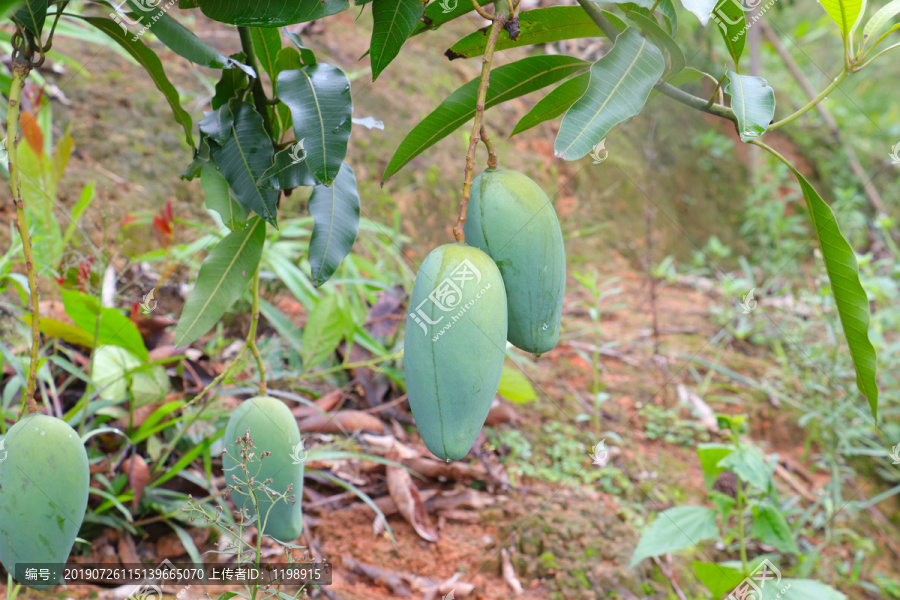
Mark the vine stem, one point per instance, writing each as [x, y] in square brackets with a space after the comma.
[812, 103]
[478, 128]
[20, 74]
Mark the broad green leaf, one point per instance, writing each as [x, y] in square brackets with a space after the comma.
[324, 330]
[394, 22]
[676, 529]
[661, 39]
[289, 171]
[288, 59]
[113, 329]
[750, 465]
[439, 12]
[218, 124]
[6, 6]
[321, 107]
[271, 13]
[223, 277]
[843, 12]
[849, 295]
[232, 83]
[32, 16]
[335, 212]
[702, 8]
[800, 589]
[720, 579]
[514, 386]
[148, 59]
[267, 45]
[244, 158]
[220, 199]
[881, 18]
[731, 20]
[109, 372]
[555, 103]
[306, 55]
[181, 40]
[620, 83]
[710, 455]
[753, 103]
[769, 527]
[539, 26]
[507, 82]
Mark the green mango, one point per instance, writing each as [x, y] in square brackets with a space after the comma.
[274, 429]
[454, 346]
[44, 480]
[513, 221]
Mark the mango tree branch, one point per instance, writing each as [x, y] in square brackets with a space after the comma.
[259, 93]
[499, 21]
[812, 103]
[20, 73]
[251, 336]
[596, 14]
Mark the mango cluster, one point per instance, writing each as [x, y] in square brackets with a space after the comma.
[469, 300]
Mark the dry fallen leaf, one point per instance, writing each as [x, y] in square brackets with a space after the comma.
[138, 477]
[326, 403]
[349, 420]
[406, 496]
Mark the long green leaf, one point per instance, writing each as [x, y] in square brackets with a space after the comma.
[220, 199]
[507, 82]
[555, 103]
[335, 211]
[394, 22]
[244, 158]
[270, 13]
[730, 17]
[753, 103]
[148, 59]
[224, 276]
[321, 106]
[849, 295]
[881, 18]
[439, 12]
[289, 171]
[661, 39]
[323, 332]
[182, 41]
[539, 26]
[843, 12]
[266, 45]
[620, 83]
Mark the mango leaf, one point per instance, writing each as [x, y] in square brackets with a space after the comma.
[507, 82]
[32, 16]
[181, 40]
[667, 10]
[720, 579]
[849, 295]
[439, 12]
[335, 212]
[753, 103]
[272, 13]
[702, 8]
[539, 26]
[554, 104]
[843, 12]
[243, 159]
[881, 18]
[323, 332]
[223, 277]
[676, 529]
[394, 22]
[730, 17]
[306, 55]
[113, 329]
[661, 39]
[232, 83]
[514, 386]
[770, 527]
[267, 45]
[147, 59]
[220, 199]
[218, 124]
[289, 171]
[620, 83]
[319, 98]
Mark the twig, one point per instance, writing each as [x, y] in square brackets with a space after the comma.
[484, 14]
[493, 162]
[259, 93]
[667, 572]
[477, 128]
[251, 335]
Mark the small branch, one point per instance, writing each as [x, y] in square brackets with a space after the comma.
[712, 98]
[259, 94]
[251, 336]
[812, 103]
[493, 161]
[484, 14]
[866, 64]
[477, 128]
[20, 74]
[695, 102]
[596, 14]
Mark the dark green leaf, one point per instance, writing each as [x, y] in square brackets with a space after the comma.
[181, 40]
[769, 527]
[539, 26]
[114, 328]
[730, 17]
[266, 45]
[244, 158]
[507, 82]
[335, 212]
[555, 103]
[232, 83]
[271, 13]
[753, 103]
[218, 124]
[201, 157]
[676, 529]
[439, 12]
[321, 107]
[662, 40]
[289, 171]
[620, 83]
[849, 295]
[220, 199]
[307, 55]
[224, 276]
[32, 16]
[148, 59]
[394, 22]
